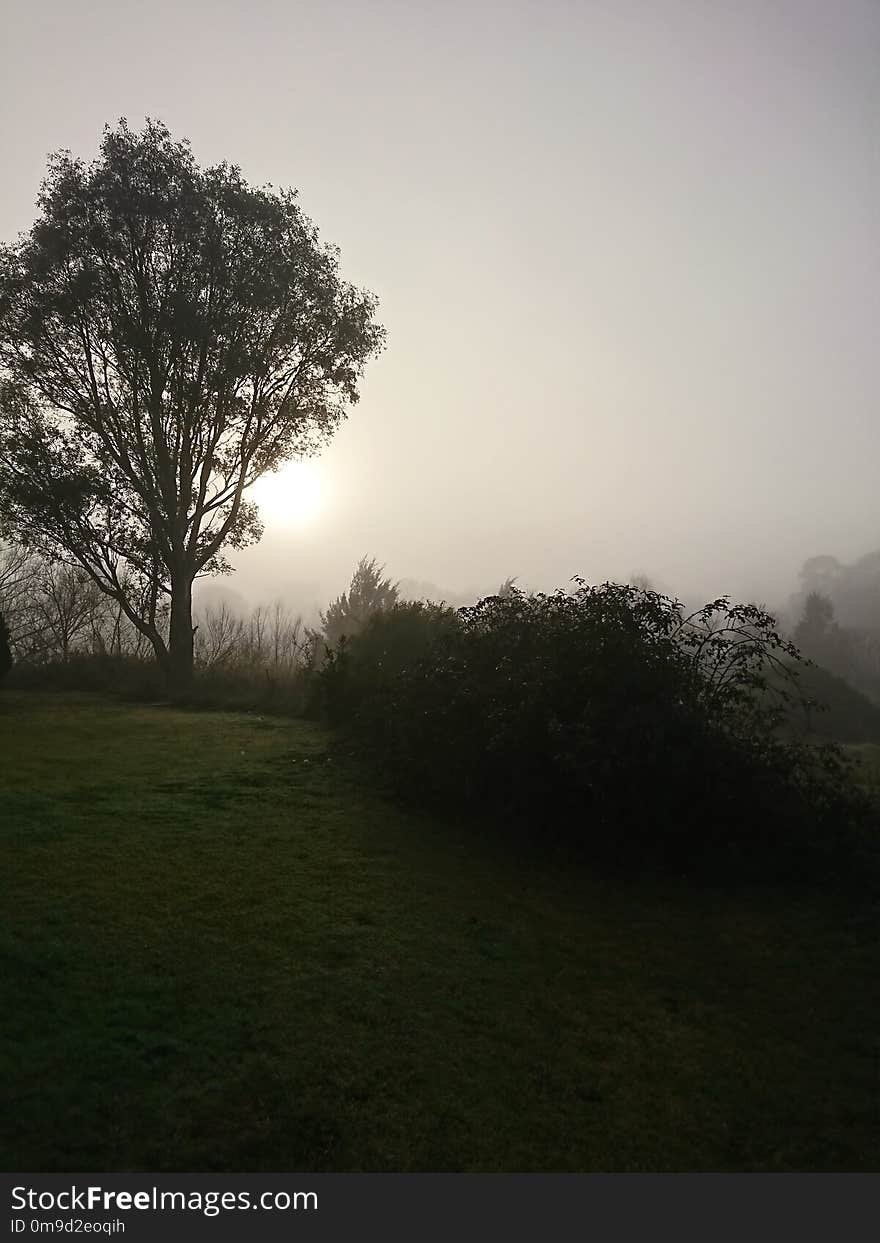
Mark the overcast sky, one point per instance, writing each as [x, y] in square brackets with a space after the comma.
[627, 253]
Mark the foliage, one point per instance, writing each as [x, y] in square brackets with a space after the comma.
[838, 612]
[627, 727]
[167, 335]
[369, 593]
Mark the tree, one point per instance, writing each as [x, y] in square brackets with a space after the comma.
[817, 624]
[821, 574]
[17, 574]
[167, 335]
[369, 593]
[822, 639]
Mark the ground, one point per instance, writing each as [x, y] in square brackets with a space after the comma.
[222, 951]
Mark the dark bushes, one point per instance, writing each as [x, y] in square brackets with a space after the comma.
[5, 648]
[606, 719]
[235, 688]
[130, 677]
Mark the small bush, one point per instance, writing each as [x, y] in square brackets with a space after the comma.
[608, 720]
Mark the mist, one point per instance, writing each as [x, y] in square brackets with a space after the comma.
[626, 255]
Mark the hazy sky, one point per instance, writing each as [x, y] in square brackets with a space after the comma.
[628, 257]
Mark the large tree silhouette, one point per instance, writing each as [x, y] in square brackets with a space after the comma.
[167, 334]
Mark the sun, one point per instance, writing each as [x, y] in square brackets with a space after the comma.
[291, 497]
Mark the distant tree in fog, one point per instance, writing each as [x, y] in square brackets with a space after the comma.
[821, 574]
[854, 589]
[212, 596]
[817, 622]
[271, 638]
[168, 334]
[70, 607]
[820, 637]
[368, 593]
[18, 570]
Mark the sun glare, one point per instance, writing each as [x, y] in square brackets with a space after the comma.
[292, 496]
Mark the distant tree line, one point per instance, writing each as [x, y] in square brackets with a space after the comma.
[53, 613]
[836, 614]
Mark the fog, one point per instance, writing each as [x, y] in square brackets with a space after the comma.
[627, 255]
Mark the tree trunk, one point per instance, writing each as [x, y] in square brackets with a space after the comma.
[179, 662]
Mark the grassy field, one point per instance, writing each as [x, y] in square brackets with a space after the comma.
[223, 952]
[867, 758]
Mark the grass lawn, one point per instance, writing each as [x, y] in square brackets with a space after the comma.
[223, 952]
[867, 758]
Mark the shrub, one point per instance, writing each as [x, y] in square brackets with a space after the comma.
[361, 667]
[129, 677]
[607, 719]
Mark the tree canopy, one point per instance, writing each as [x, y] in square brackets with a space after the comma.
[168, 334]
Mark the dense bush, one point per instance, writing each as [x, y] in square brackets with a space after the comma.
[607, 719]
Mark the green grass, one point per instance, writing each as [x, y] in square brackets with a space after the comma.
[867, 759]
[223, 952]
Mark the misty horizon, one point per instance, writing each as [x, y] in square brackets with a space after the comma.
[626, 255]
